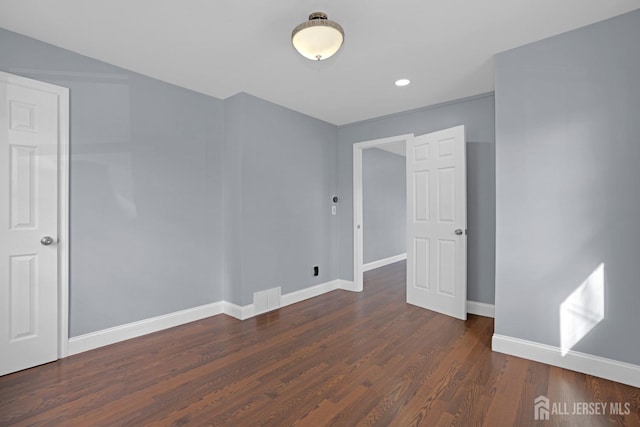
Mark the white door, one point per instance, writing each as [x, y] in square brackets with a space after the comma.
[437, 222]
[29, 145]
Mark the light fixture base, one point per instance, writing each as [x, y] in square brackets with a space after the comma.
[318, 38]
[317, 15]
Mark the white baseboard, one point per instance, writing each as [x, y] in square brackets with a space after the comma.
[382, 262]
[346, 285]
[613, 370]
[247, 311]
[303, 294]
[237, 311]
[481, 309]
[116, 334]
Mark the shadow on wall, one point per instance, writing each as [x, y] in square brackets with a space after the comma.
[581, 311]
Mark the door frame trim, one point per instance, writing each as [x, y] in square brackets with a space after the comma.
[63, 199]
[358, 245]
[63, 221]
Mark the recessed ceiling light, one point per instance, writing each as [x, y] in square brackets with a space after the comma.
[402, 82]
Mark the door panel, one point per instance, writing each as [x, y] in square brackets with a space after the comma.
[422, 269]
[436, 257]
[23, 303]
[421, 180]
[446, 267]
[29, 143]
[446, 195]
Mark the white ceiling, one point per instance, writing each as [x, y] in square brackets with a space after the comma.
[222, 47]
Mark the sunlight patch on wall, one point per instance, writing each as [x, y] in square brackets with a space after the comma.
[582, 310]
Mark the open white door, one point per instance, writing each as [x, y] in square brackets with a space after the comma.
[437, 222]
[30, 145]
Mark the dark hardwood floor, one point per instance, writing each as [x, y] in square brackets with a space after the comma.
[340, 359]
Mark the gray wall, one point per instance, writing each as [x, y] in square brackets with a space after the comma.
[144, 240]
[477, 114]
[384, 203]
[280, 177]
[568, 150]
[180, 199]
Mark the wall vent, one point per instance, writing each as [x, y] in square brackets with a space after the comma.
[267, 300]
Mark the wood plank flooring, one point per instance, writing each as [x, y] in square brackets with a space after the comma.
[341, 359]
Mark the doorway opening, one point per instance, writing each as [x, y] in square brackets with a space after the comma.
[396, 144]
[436, 219]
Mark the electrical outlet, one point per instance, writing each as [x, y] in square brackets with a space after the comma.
[333, 210]
[316, 270]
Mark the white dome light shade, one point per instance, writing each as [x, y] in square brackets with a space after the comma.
[402, 82]
[318, 38]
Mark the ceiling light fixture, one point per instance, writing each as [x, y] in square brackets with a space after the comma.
[318, 38]
[402, 82]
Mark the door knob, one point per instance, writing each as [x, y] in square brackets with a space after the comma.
[46, 240]
[458, 232]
